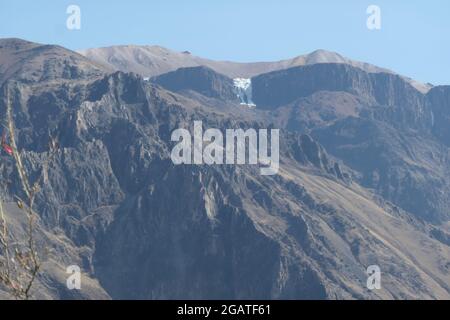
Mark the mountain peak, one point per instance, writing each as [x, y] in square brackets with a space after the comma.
[324, 56]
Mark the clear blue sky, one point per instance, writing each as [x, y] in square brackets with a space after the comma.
[413, 40]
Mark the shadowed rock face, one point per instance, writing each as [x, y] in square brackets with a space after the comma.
[392, 135]
[200, 79]
[188, 227]
[439, 104]
[141, 227]
[31, 62]
[150, 61]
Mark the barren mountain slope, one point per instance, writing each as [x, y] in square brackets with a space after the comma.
[141, 227]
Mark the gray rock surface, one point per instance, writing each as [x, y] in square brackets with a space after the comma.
[141, 227]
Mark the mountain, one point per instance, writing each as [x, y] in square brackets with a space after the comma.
[200, 79]
[150, 61]
[31, 62]
[362, 181]
[279, 88]
[376, 123]
[438, 102]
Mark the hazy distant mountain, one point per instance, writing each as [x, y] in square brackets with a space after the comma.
[150, 61]
[363, 181]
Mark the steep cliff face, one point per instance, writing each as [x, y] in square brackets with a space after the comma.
[141, 227]
[150, 61]
[279, 88]
[151, 229]
[200, 79]
[403, 167]
[438, 101]
[31, 62]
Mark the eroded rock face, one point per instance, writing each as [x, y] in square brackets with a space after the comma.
[393, 136]
[141, 227]
[279, 88]
[32, 62]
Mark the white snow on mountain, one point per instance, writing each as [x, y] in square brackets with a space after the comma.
[243, 87]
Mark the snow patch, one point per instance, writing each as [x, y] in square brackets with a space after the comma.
[243, 88]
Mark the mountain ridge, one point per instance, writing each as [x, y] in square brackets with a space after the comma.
[151, 61]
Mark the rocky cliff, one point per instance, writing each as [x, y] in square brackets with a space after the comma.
[141, 227]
